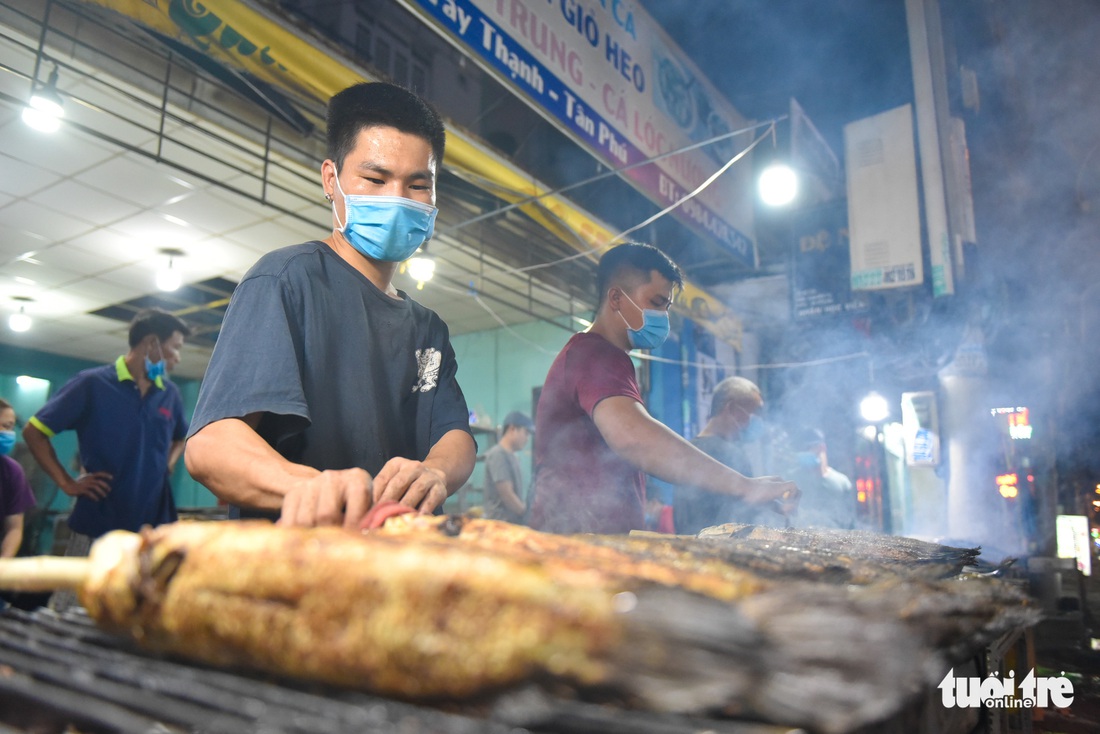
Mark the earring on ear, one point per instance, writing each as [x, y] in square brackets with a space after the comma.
[328, 196]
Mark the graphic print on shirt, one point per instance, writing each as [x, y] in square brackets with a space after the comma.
[427, 361]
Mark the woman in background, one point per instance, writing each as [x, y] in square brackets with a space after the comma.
[15, 492]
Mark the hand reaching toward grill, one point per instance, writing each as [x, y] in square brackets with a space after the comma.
[783, 494]
[343, 497]
[412, 483]
[334, 497]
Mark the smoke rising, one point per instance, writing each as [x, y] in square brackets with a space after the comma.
[1030, 285]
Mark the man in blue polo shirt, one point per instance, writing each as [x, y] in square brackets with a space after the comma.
[129, 421]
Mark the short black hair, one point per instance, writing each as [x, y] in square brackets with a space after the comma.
[639, 258]
[378, 103]
[156, 321]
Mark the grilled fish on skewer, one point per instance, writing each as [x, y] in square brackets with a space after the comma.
[857, 543]
[418, 613]
[418, 619]
[948, 614]
[711, 565]
[706, 575]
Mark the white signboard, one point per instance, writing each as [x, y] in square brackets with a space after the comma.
[1072, 532]
[883, 208]
[606, 73]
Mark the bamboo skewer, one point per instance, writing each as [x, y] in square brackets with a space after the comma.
[43, 573]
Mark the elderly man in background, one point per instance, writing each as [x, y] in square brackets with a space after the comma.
[734, 420]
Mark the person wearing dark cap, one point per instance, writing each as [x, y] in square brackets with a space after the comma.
[503, 477]
[827, 497]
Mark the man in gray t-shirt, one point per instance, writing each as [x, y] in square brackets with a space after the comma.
[503, 477]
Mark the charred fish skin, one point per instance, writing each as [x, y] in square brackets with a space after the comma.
[584, 554]
[409, 619]
[376, 613]
[862, 543]
[430, 608]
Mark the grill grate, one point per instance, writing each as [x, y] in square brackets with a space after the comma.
[61, 671]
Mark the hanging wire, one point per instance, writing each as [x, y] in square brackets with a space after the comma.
[471, 292]
[769, 366]
[614, 172]
[686, 197]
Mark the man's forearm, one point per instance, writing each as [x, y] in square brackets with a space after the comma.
[507, 493]
[657, 450]
[43, 452]
[13, 536]
[174, 454]
[454, 455]
[667, 456]
[239, 467]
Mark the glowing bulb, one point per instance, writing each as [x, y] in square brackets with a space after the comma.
[169, 279]
[874, 408]
[778, 185]
[420, 268]
[44, 111]
[20, 321]
[42, 115]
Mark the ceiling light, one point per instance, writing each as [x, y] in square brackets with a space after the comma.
[26, 382]
[421, 268]
[778, 185]
[20, 321]
[874, 408]
[176, 220]
[44, 111]
[169, 278]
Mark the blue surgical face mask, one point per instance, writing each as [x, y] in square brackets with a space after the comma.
[654, 329]
[754, 430]
[7, 442]
[808, 460]
[386, 228]
[153, 370]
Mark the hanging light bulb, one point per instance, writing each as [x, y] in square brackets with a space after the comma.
[20, 321]
[874, 408]
[169, 278]
[421, 268]
[44, 111]
[778, 185]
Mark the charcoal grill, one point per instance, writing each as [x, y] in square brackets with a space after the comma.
[60, 673]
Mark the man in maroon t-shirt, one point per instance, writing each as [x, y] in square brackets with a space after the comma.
[594, 439]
